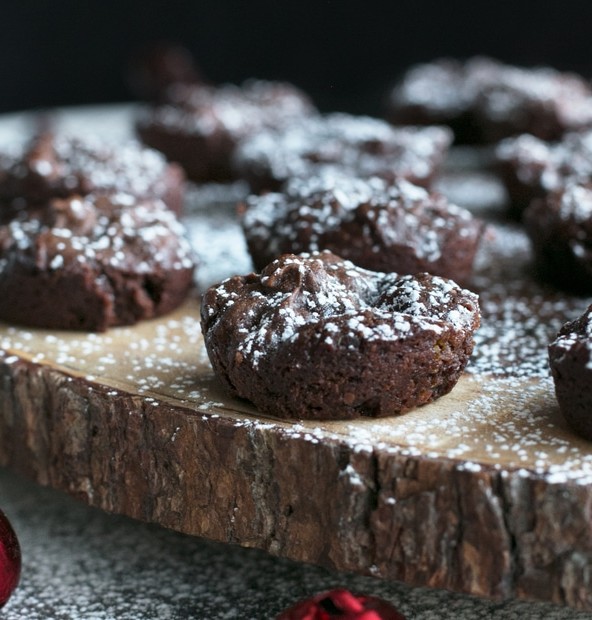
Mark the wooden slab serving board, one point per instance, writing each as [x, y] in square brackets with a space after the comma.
[484, 491]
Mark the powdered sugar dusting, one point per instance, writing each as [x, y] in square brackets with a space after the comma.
[369, 220]
[575, 334]
[485, 99]
[228, 109]
[576, 204]
[215, 234]
[65, 164]
[100, 231]
[541, 165]
[440, 87]
[368, 146]
[520, 315]
[338, 298]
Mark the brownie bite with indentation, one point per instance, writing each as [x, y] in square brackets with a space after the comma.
[200, 126]
[359, 145]
[315, 337]
[381, 226]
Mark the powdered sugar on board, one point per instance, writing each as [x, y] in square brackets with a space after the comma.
[214, 232]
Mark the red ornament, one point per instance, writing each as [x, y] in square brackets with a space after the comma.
[342, 604]
[10, 559]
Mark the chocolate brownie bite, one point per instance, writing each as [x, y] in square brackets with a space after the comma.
[531, 168]
[484, 100]
[315, 337]
[429, 94]
[200, 126]
[58, 166]
[441, 92]
[560, 230]
[393, 227]
[93, 262]
[570, 360]
[359, 145]
[541, 101]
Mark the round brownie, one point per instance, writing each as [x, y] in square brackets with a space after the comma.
[531, 168]
[58, 166]
[359, 145]
[560, 230]
[394, 227]
[315, 337]
[484, 100]
[540, 101]
[441, 92]
[93, 262]
[570, 360]
[200, 126]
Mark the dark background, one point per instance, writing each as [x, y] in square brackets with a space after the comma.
[345, 54]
